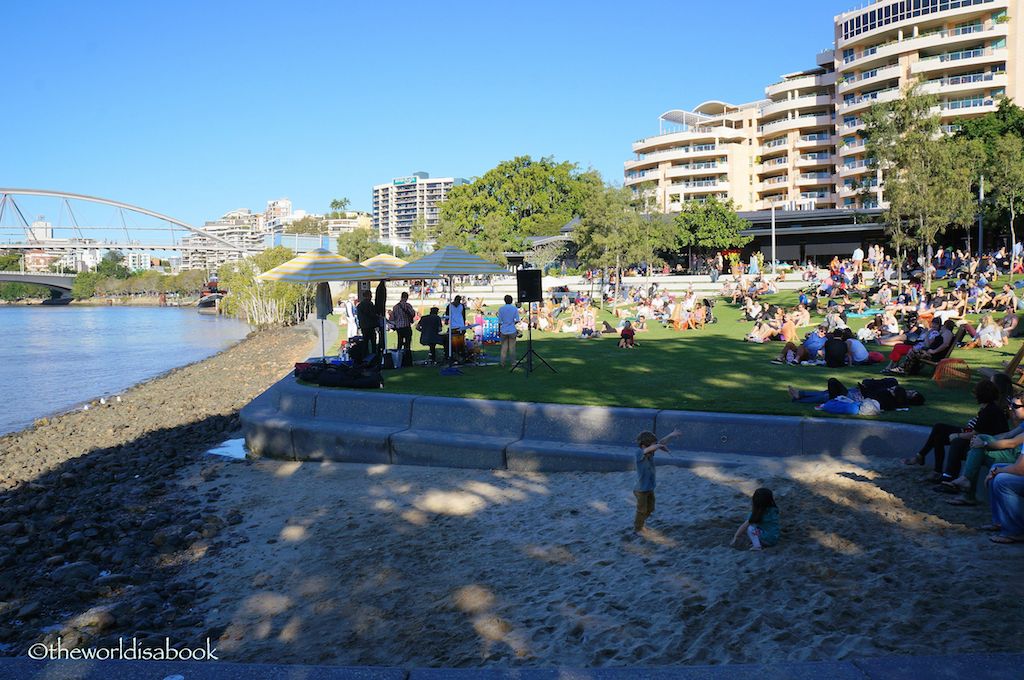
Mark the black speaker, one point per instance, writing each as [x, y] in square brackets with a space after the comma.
[528, 285]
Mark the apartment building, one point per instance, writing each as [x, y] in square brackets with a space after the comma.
[798, 148]
[350, 222]
[399, 203]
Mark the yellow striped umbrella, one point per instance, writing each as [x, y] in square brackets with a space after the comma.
[384, 264]
[319, 265]
[448, 261]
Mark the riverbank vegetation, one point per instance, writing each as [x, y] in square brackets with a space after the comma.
[264, 303]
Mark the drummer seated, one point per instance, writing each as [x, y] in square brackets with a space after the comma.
[429, 327]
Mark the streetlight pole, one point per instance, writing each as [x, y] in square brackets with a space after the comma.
[774, 259]
[981, 218]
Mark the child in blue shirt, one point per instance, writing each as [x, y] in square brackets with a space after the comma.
[645, 476]
[762, 526]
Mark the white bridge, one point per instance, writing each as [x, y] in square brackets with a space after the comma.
[111, 225]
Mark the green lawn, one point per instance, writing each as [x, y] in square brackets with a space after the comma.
[708, 370]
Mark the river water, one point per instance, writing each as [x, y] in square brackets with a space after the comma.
[55, 358]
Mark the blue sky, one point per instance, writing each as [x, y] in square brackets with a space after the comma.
[196, 108]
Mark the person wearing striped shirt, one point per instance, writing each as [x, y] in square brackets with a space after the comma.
[402, 316]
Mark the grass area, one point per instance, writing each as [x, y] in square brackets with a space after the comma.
[705, 370]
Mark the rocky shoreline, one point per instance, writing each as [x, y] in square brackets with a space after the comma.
[94, 526]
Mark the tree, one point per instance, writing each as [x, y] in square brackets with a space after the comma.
[10, 262]
[85, 284]
[1008, 119]
[307, 225]
[927, 177]
[712, 225]
[1006, 169]
[613, 234]
[111, 265]
[360, 244]
[518, 198]
[339, 205]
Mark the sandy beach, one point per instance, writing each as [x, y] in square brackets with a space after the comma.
[386, 565]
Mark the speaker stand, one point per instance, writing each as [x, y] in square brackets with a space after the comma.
[530, 352]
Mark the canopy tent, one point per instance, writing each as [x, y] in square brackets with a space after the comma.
[448, 262]
[318, 266]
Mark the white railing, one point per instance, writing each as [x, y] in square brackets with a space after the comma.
[868, 97]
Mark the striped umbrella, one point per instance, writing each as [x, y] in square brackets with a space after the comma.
[447, 263]
[316, 266]
[319, 266]
[384, 264]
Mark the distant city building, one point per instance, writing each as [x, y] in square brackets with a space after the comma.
[301, 243]
[39, 261]
[40, 231]
[399, 203]
[241, 228]
[351, 222]
[277, 214]
[139, 262]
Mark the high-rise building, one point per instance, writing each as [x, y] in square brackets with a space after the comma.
[798, 148]
[399, 203]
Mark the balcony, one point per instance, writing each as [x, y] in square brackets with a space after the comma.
[796, 123]
[815, 141]
[809, 101]
[851, 147]
[972, 106]
[801, 83]
[811, 160]
[963, 59]
[813, 178]
[775, 181]
[855, 168]
[924, 41]
[866, 100]
[965, 83]
[867, 78]
[774, 165]
[701, 186]
[695, 169]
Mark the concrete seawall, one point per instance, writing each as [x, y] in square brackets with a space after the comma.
[292, 421]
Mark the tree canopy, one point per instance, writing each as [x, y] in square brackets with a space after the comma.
[518, 198]
[612, 233]
[928, 177]
[712, 225]
[360, 244]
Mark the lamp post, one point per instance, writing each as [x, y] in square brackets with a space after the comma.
[774, 259]
[981, 219]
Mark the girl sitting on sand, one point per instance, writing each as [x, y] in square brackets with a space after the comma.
[762, 526]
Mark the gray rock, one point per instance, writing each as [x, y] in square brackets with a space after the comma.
[76, 571]
[29, 611]
[97, 618]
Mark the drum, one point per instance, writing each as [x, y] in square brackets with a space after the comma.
[458, 341]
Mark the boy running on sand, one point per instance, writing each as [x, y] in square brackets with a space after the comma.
[645, 476]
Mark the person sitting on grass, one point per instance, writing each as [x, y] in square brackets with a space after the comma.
[934, 343]
[991, 420]
[809, 350]
[835, 351]
[987, 335]
[986, 450]
[645, 474]
[627, 336]
[801, 316]
[762, 525]
[856, 352]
